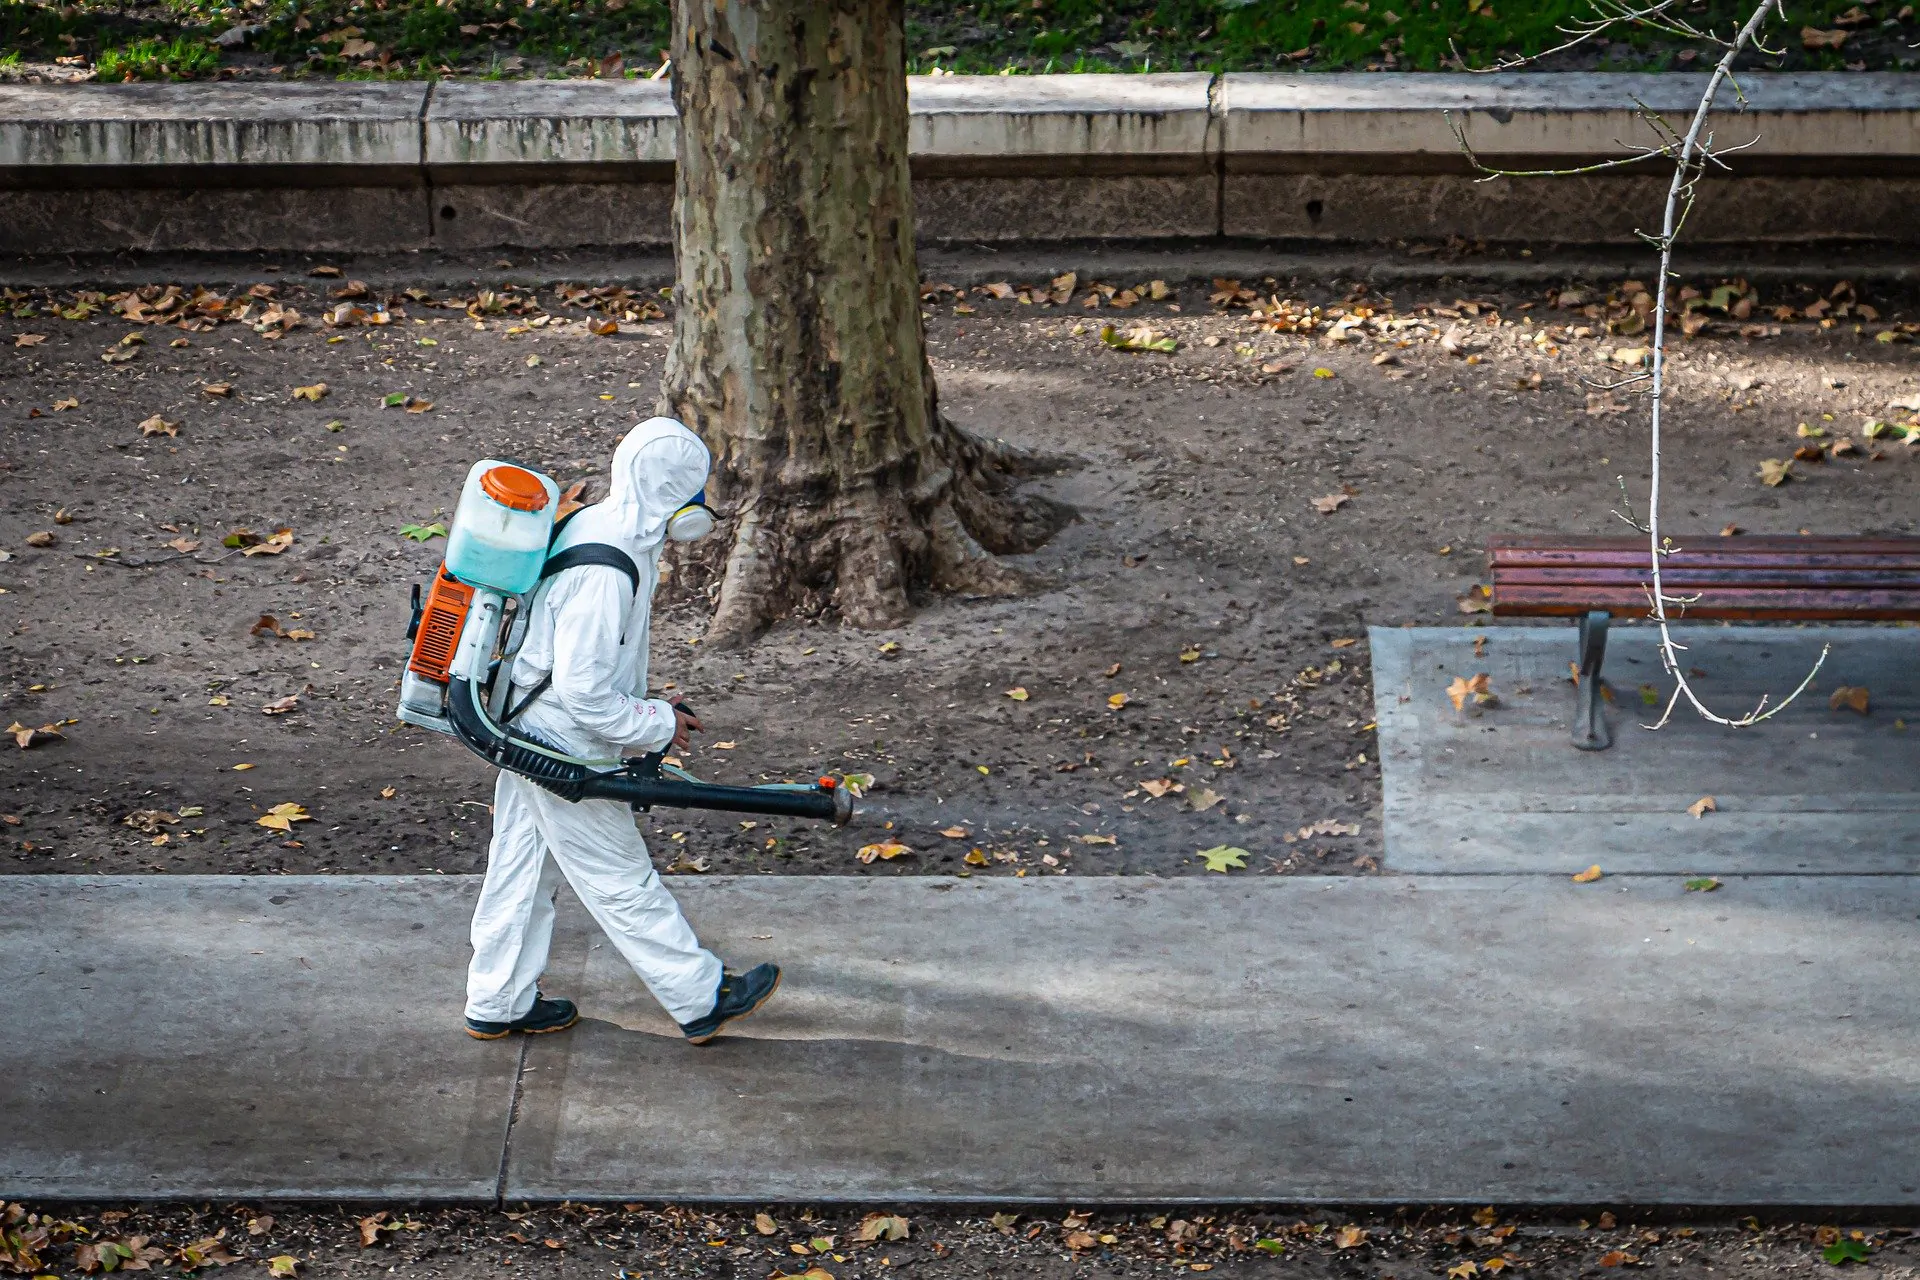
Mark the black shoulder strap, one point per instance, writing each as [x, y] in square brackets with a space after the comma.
[586, 553]
[592, 553]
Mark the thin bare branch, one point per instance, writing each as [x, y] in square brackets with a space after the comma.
[1692, 152]
[1580, 34]
[1679, 200]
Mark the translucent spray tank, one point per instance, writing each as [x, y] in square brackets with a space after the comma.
[501, 527]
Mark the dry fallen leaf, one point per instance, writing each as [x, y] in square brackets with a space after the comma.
[28, 339]
[882, 1226]
[1111, 671]
[1617, 1258]
[273, 546]
[71, 402]
[282, 817]
[1331, 503]
[315, 393]
[1118, 700]
[43, 538]
[1703, 806]
[184, 545]
[1350, 1237]
[1854, 696]
[571, 499]
[1204, 799]
[281, 706]
[159, 426]
[1775, 472]
[885, 850]
[1588, 876]
[220, 390]
[23, 737]
[386, 793]
[954, 833]
[1479, 690]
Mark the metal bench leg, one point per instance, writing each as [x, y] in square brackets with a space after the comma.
[1589, 720]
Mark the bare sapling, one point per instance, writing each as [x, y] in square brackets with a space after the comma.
[1692, 152]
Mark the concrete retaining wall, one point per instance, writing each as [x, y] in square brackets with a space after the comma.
[553, 164]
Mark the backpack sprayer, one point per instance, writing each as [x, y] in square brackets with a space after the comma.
[471, 623]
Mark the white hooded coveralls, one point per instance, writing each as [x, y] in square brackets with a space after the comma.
[589, 629]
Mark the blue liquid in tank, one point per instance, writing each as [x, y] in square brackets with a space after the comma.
[485, 564]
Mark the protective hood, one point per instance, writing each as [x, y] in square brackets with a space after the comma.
[657, 469]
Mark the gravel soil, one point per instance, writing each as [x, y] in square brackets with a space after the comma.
[578, 1241]
[1249, 504]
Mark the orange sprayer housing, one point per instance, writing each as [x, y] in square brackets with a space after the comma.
[441, 618]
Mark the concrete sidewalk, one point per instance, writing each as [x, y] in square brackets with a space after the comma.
[1452, 1038]
[1816, 791]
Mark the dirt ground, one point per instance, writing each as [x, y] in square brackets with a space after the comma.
[1203, 580]
[633, 1242]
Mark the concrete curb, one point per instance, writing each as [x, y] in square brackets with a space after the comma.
[1326, 158]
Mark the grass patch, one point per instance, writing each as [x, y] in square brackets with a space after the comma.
[181, 58]
[409, 39]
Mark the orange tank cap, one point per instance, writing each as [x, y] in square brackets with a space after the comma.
[514, 487]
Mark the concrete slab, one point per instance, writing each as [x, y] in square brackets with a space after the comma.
[1813, 791]
[572, 122]
[193, 1036]
[1156, 115]
[1459, 1038]
[1503, 1039]
[327, 124]
[1591, 114]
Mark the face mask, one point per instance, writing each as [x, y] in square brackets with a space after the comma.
[693, 521]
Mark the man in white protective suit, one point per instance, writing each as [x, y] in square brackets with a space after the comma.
[584, 665]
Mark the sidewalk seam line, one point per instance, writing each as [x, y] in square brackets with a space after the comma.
[426, 172]
[506, 1135]
[1216, 143]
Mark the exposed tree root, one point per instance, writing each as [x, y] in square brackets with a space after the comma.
[803, 545]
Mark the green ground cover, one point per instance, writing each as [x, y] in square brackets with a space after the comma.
[414, 39]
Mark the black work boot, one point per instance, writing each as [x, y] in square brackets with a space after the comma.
[546, 1015]
[740, 994]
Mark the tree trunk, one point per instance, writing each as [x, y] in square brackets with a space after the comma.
[798, 351]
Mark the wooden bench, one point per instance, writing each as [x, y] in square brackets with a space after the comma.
[1769, 579]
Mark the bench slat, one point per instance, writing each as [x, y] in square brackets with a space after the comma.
[1687, 557]
[1755, 605]
[1766, 542]
[1784, 576]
